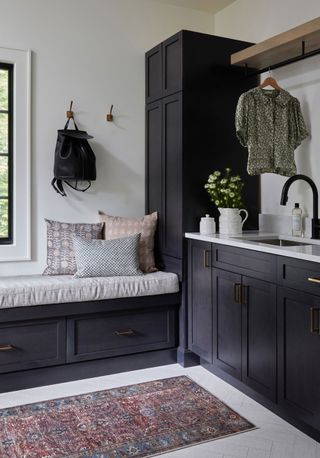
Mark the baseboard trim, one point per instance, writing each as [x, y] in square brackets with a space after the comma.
[186, 358]
[77, 371]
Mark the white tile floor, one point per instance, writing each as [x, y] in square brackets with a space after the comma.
[274, 439]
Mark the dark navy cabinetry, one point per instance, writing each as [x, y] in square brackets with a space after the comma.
[191, 97]
[254, 320]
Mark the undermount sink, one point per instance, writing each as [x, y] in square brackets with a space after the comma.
[278, 242]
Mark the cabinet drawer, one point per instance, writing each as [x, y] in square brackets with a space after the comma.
[31, 344]
[246, 262]
[295, 274]
[114, 334]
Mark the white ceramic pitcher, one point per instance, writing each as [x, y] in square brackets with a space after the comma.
[230, 222]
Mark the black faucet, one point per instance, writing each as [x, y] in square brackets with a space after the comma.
[315, 223]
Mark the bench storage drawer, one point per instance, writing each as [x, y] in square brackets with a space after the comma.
[120, 333]
[31, 344]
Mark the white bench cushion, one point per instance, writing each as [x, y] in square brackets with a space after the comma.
[40, 289]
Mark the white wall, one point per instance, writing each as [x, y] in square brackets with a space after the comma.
[257, 20]
[91, 51]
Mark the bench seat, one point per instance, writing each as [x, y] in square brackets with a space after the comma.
[29, 290]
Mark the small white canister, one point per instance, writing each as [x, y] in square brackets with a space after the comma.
[207, 225]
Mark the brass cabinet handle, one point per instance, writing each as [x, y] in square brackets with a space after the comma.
[314, 280]
[314, 330]
[237, 293]
[6, 347]
[127, 333]
[206, 254]
[244, 289]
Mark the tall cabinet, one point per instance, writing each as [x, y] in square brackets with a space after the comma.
[191, 97]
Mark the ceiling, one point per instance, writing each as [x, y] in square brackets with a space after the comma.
[211, 6]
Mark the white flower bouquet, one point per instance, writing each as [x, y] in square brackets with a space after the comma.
[225, 191]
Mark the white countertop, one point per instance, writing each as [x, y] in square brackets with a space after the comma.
[308, 252]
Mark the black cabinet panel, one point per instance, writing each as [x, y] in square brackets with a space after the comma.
[259, 349]
[154, 74]
[200, 299]
[122, 333]
[227, 322]
[31, 344]
[172, 176]
[299, 350]
[154, 170]
[172, 65]
[199, 92]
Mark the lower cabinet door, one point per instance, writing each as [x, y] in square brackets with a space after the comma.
[31, 344]
[200, 299]
[299, 355]
[227, 321]
[120, 333]
[259, 339]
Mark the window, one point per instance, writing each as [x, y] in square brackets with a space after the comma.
[15, 142]
[6, 150]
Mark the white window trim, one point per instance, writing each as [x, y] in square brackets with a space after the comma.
[20, 249]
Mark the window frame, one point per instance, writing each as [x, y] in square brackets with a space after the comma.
[20, 248]
[10, 111]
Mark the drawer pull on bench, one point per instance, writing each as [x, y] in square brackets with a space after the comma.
[6, 347]
[127, 333]
[314, 280]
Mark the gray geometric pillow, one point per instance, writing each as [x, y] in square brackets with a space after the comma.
[107, 258]
[60, 252]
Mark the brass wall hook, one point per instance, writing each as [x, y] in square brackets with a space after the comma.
[110, 115]
[69, 113]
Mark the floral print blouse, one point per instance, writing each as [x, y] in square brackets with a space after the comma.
[270, 124]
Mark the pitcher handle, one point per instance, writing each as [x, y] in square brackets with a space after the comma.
[246, 217]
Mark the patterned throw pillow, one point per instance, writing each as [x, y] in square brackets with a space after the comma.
[107, 258]
[120, 226]
[60, 252]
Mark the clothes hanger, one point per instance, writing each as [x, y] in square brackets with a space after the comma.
[270, 81]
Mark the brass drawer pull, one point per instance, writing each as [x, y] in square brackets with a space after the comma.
[237, 293]
[314, 280]
[6, 347]
[314, 330]
[206, 254]
[127, 333]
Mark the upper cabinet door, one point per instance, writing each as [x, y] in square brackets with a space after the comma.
[172, 175]
[154, 170]
[154, 74]
[172, 65]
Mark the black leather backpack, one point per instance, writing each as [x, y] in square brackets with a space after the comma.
[74, 160]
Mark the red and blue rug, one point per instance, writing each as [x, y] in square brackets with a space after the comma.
[131, 421]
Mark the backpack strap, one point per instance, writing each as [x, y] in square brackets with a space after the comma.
[58, 186]
[76, 186]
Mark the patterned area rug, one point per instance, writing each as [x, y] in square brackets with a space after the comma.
[132, 421]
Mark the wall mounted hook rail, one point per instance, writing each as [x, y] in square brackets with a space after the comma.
[284, 63]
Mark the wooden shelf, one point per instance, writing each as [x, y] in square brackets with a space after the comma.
[281, 47]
